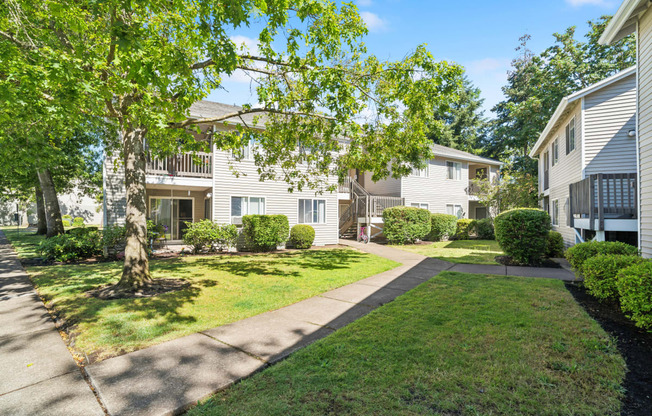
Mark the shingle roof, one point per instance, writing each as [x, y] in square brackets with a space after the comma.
[444, 151]
[209, 109]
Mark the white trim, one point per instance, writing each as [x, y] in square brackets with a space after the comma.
[638, 141]
[178, 181]
[213, 194]
[325, 211]
[563, 104]
[231, 216]
[461, 167]
[582, 143]
[618, 23]
[419, 205]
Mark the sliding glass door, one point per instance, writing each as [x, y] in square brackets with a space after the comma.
[172, 214]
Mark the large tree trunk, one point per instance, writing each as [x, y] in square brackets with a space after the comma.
[41, 221]
[52, 210]
[135, 273]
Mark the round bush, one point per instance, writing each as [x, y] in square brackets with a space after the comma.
[555, 246]
[200, 235]
[635, 290]
[78, 222]
[65, 223]
[484, 229]
[404, 225]
[302, 236]
[265, 232]
[579, 253]
[442, 226]
[522, 234]
[463, 229]
[600, 273]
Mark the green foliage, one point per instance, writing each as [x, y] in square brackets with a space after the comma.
[635, 289]
[302, 236]
[513, 190]
[205, 235]
[580, 253]
[464, 228]
[600, 273]
[78, 222]
[484, 229]
[265, 232]
[523, 234]
[67, 217]
[113, 240]
[555, 247]
[403, 225]
[83, 243]
[66, 223]
[442, 226]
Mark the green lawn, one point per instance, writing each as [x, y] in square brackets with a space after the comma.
[459, 344]
[223, 289]
[25, 241]
[459, 251]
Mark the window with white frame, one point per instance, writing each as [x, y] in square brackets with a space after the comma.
[454, 171]
[312, 211]
[555, 212]
[555, 151]
[419, 205]
[570, 136]
[422, 173]
[246, 205]
[454, 209]
[246, 151]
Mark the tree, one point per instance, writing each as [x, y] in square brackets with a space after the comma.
[463, 123]
[518, 190]
[537, 83]
[143, 64]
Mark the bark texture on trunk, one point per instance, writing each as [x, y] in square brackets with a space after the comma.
[52, 210]
[41, 221]
[135, 273]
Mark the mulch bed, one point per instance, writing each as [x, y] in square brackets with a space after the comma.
[508, 261]
[634, 344]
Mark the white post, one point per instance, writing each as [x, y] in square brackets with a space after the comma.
[599, 236]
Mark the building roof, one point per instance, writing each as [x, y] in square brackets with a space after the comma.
[569, 99]
[211, 109]
[449, 152]
[623, 23]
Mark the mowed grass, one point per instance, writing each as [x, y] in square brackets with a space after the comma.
[459, 251]
[25, 241]
[223, 289]
[459, 344]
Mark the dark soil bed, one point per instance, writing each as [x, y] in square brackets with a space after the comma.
[508, 261]
[634, 344]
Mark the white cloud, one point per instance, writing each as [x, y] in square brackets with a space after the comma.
[244, 44]
[600, 3]
[374, 22]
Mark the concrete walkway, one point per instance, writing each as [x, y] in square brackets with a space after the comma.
[39, 376]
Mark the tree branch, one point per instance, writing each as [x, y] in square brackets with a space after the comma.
[239, 114]
[17, 42]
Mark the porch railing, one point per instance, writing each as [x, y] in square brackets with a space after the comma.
[473, 189]
[199, 165]
[604, 196]
[345, 187]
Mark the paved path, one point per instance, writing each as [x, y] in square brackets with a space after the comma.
[39, 376]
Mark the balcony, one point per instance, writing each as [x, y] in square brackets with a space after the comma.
[198, 165]
[604, 199]
[473, 189]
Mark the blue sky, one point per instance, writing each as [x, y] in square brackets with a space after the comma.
[480, 35]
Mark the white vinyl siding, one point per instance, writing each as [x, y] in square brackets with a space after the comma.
[453, 170]
[645, 130]
[312, 211]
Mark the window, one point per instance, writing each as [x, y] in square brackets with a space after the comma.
[246, 152]
[555, 151]
[456, 210]
[312, 211]
[419, 205]
[570, 136]
[454, 171]
[422, 173]
[555, 212]
[246, 205]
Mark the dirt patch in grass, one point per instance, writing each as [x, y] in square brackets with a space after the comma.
[634, 344]
[508, 261]
[156, 287]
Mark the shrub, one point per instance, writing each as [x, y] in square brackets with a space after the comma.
[113, 240]
[635, 289]
[579, 253]
[600, 273]
[464, 228]
[72, 246]
[78, 222]
[484, 229]
[265, 232]
[442, 226]
[405, 224]
[227, 236]
[66, 223]
[66, 218]
[522, 234]
[302, 236]
[200, 235]
[555, 247]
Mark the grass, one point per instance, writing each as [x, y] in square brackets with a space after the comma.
[25, 241]
[223, 289]
[459, 344]
[459, 251]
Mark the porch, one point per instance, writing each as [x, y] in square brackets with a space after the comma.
[173, 206]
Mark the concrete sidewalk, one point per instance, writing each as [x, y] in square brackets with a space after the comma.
[40, 376]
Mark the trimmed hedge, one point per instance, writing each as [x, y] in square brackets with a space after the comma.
[484, 229]
[635, 289]
[463, 229]
[404, 225]
[555, 247]
[600, 273]
[442, 226]
[205, 235]
[265, 232]
[522, 234]
[581, 252]
[302, 236]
